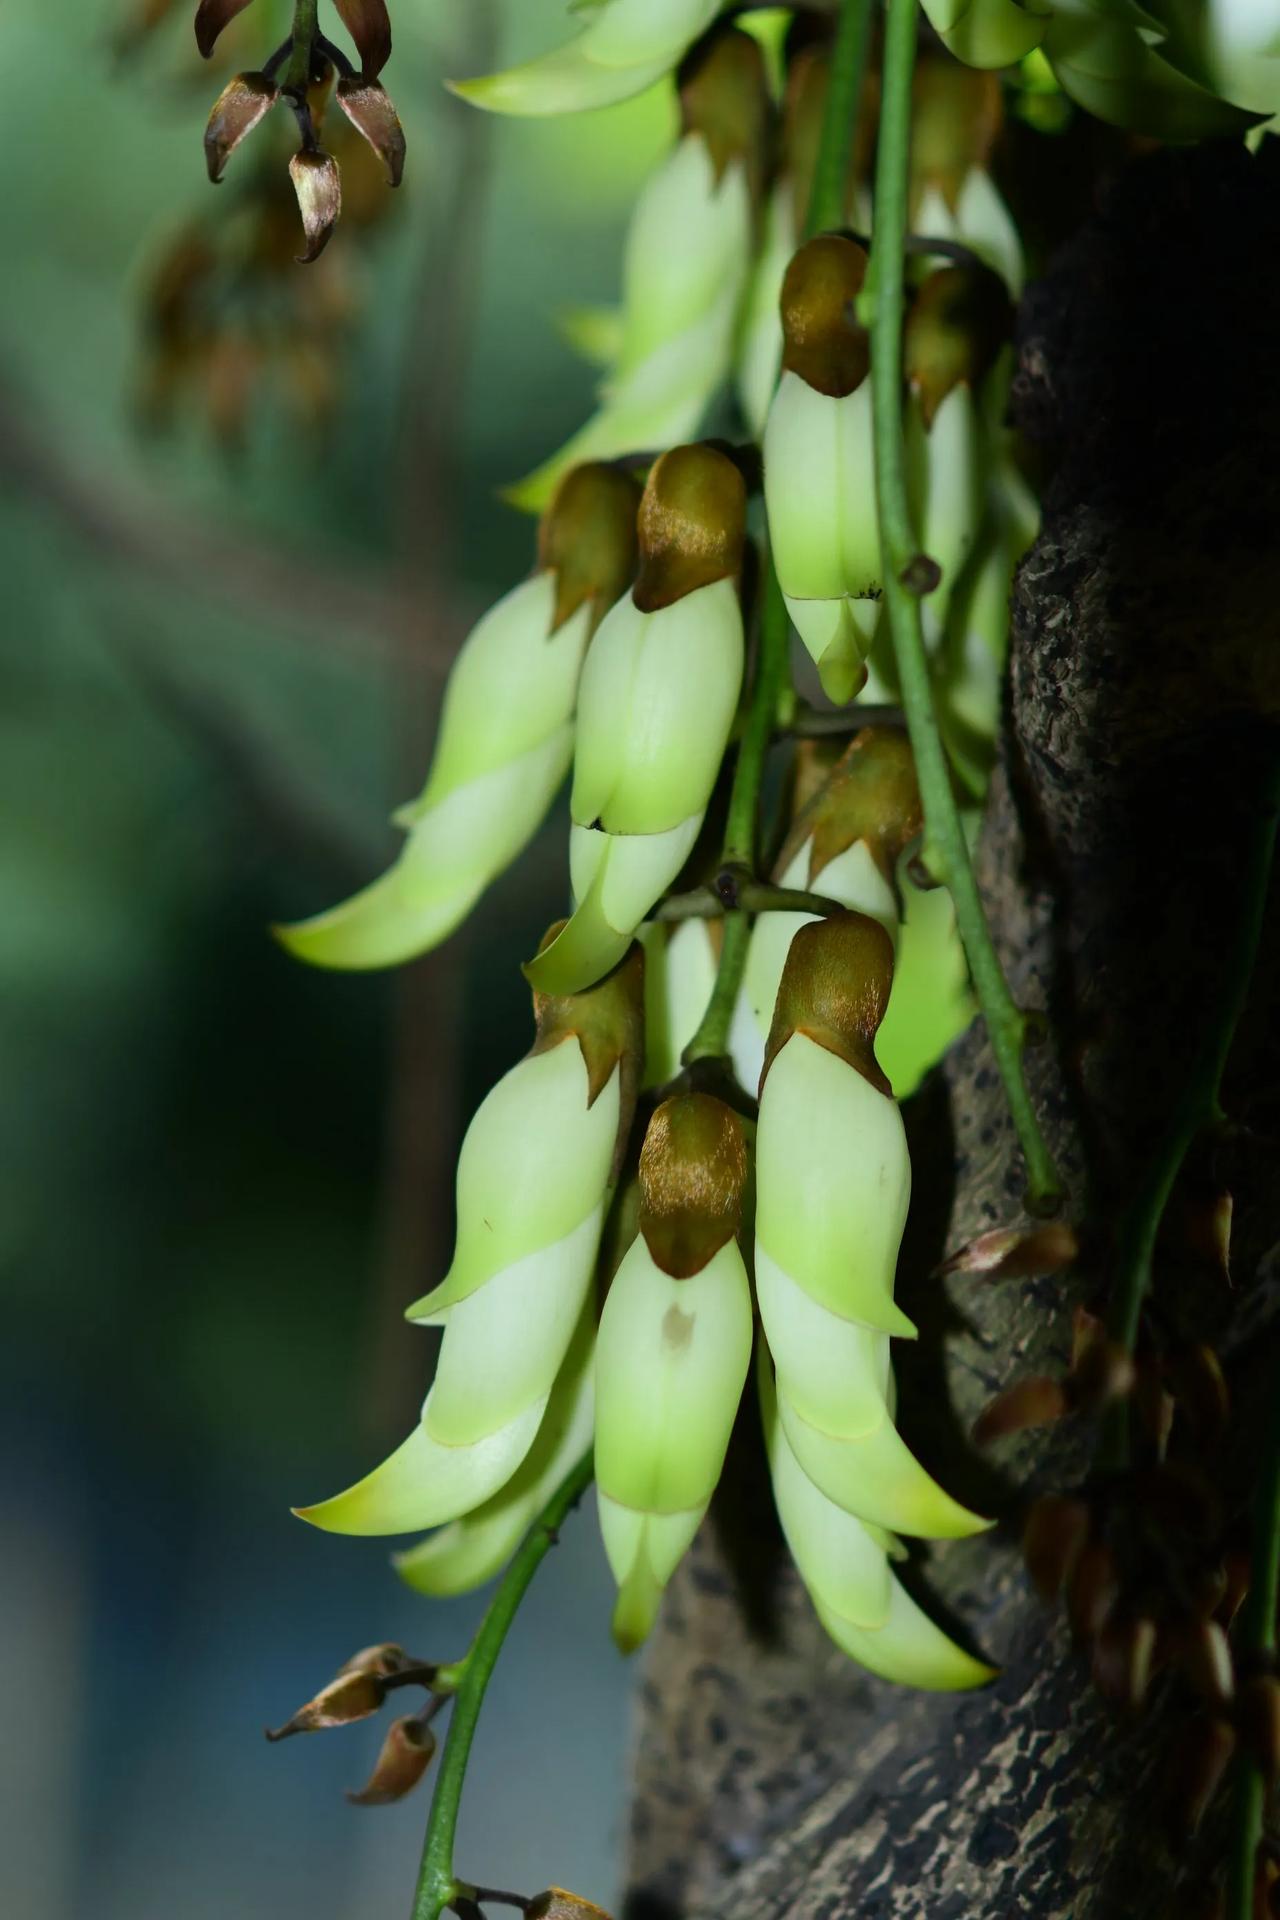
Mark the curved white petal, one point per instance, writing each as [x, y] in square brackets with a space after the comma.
[876, 1477]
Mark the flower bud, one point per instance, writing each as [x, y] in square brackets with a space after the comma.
[406, 1754]
[556, 1904]
[211, 17]
[625, 46]
[243, 102]
[843, 1564]
[506, 737]
[1035, 1401]
[369, 109]
[355, 1692]
[819, 473]
[658, 694]
[368, 24]
[687, 256]
[672, 1353]
[318, 185]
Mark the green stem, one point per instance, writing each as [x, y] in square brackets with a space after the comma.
[908, 574]
[711, 1041]
[297, 75]
[1198, 1106]
[1257, 1639]
[827, 193]
[437, 1887]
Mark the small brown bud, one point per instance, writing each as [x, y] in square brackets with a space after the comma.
[959, 320]
[243, 102]
[693, 1174]
[369, 26]
[1258, 1723]
[587, 537]
[1200, 1390]
[692, 526]
[834, 989]
[318, 185]
[724, 97]
[406, 1754]
[556, 1904]
[1017, 1253]
[1199, 1762]
[1053, 1538]
[384, 1659]
[1103, 1373]
[1092, 1589]
[368, 107]
[823, 340]
[351, 1696]
[957, 114]
[1205, 1657]
[1123, 1655]
[872, 795]
[211, 17]
[607, 1021]
[1036, 1401]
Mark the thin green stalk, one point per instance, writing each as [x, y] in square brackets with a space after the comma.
[827, 192]
[1198, 1106]
[297, 76]
[1257, 1642]
[907, 575]
[437, 1887]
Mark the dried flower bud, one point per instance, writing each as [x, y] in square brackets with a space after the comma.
[406, 1754]
[318, 185]
[823, 341]
[383, 1660]
[351, 1696]
[243, 102]
[693, 1172]
[211, 17]
[368, 107]
[1092, 1589]
[691, 527]
[1123, 1659]
[1056, 1530]
[1016, 1253]
[1258, 1723]
[587, 537]
[368, 24]
[835, 988]
[1036, 1401]
[1199, 1762]
[724, 97]
[556, 1904]
[958, 322]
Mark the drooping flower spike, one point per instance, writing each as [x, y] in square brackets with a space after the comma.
[506, 737]
[534, 1174]
[658, 695]
[833, 1181]
[673, 1352]
[625, 46]
[685, 266]
[819, 474]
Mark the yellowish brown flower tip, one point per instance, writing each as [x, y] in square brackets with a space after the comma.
[957, 114]
[243, 102]
[958, 322]
[822, 340]
[691, 526]
[587, 537]
[871, 795]
[834, 989]
[607, 1021]
[211, 17]
[556, 1904]
[318, 185]
[406, 1754]
[724, 97]
[693, 1175]
[368, 107]
[369, 25]
[1092, 1589]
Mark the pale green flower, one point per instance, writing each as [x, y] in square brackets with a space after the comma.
[625, 46]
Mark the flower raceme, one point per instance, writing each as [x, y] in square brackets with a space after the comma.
[659, 690]
[687, 257]
[506, 736]
[625, 46]
[534, 1175]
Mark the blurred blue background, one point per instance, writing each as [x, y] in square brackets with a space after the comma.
[239, 543]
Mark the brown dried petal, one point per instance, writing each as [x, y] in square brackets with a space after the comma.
[406, 1754]
[1206, 1659]
[872, 795]
[369, 25]
[368, 107]
[1123, 1655]
[352, 1696]
[1258, 1723]
[318, 185]
[834, 989]
[1092, 1589]
[804, 107]
[1103, 1373]
[691, 526]
[607, 1021]
[959, 320]
[588, 538]
[557, 1904]
[693, 1175]
[1017, 1253]
[243, 102]
[383, 1660]
[724, 97]
[1199, 1763]
[1036, 1401]
[1208, 1231]
[1086, 1330]
[211, 17]
[1053, 1538]
[823, 341]
[1200, 1389]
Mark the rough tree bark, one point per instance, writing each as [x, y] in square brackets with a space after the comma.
[771, 1776]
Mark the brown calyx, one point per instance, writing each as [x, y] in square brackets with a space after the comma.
[692, 525]
[822, 339]
[834, 990]
[587, 538]
[693, 1175]
[959, 320]
[871, 794]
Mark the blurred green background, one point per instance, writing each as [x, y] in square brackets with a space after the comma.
[231, 581]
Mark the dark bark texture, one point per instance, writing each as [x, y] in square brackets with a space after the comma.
[772, 1777]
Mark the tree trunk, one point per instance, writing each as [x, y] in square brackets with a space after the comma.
[772, 1776]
